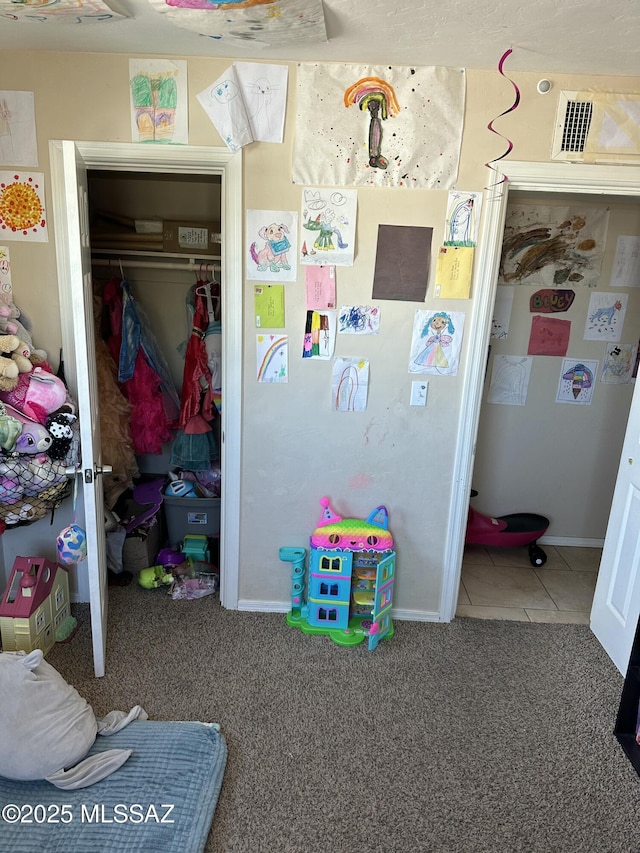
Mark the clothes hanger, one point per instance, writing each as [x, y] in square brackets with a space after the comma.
[203, 288]
[202, 283]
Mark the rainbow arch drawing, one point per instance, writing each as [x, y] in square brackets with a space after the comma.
[268, 363]
[376, 89]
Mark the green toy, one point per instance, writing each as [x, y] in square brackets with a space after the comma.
[195, 546]
[154, 577]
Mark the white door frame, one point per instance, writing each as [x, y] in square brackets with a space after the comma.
[191, 159]
[521, 176]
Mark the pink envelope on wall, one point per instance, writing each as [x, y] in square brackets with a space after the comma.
[549, 336]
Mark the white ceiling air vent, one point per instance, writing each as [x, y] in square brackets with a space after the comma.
[596, 127]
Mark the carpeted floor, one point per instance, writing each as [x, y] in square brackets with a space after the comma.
[472, 737]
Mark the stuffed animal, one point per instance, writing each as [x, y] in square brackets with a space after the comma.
[8, 313]
[21, 512]
[22, 357]
[29, 509]
[52, 727]
[37, 394]
[38, 473]
[11, 325]
[10, 429]
[9, 369]
[33, 437]
[11, 489]
[60, 429]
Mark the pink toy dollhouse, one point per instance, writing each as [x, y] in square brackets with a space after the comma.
[34, 605]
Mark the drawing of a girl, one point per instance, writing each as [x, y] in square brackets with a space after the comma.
[433, 355]
[460, 223]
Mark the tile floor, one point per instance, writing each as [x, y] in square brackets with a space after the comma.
[501, 583]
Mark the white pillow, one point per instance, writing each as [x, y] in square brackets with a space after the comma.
[48, 727]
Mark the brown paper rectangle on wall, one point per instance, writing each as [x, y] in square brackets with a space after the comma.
[403, 260]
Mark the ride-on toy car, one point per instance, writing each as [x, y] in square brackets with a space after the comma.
[512, 531]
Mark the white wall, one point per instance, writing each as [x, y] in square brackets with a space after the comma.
[294, 448]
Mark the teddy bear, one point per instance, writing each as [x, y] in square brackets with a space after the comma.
[13, 361]
[10, 324]
[22, 357]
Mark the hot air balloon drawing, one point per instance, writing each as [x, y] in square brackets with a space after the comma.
[379, 98]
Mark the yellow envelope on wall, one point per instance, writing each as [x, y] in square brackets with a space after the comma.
[269, 306]
[453, 272]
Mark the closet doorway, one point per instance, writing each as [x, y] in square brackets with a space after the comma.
[535, 455]
[69, 164]
[613, 629]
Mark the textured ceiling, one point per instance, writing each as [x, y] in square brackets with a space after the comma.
[594, 37]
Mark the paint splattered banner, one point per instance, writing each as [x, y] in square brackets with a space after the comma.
[386, 126]
[255, 23]
[554, 246]
[64, 11]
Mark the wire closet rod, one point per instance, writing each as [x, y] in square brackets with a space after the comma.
[157, 265]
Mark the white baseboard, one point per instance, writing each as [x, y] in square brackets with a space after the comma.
[263, 606]
[281, 607]
[252, 606]
[416, 615]
[572, 542]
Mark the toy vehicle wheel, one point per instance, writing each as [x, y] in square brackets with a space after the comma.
[537, 556]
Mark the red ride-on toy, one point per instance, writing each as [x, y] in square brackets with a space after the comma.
[512, 531]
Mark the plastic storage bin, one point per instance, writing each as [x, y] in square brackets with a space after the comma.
[191, 515]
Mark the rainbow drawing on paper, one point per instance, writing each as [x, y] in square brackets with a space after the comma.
[379, 99]
[272, 353]
[350, 382]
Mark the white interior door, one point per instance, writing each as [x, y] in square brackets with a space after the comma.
[616, 602]
[76, 297]
[69, 162]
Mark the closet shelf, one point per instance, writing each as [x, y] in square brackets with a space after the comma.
[161, 261]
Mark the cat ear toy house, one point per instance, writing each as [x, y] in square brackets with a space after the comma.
[34, 605]
[347, 590]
